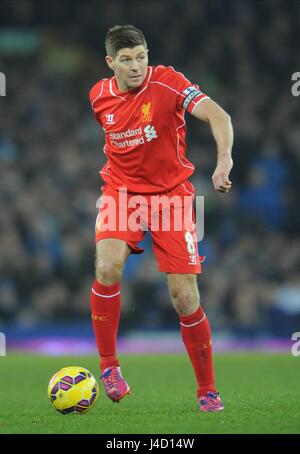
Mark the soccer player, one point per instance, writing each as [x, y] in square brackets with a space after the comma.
[141, 110]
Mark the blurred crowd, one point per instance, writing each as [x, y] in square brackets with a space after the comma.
[243, 56]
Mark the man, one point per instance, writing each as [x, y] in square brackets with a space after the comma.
[141, 109]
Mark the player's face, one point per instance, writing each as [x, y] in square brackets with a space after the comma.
[130, 67]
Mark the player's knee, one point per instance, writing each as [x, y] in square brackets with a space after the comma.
[186, 306]
[185, 301]
[108, 273]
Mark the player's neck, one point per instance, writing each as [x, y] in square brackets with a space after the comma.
[122, 87]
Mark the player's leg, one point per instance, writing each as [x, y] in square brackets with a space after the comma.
[113, 247]
[196, 335]
[177, 254]
[111, 256]
[184, 293]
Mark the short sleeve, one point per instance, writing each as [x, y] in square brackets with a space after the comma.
[188, 94]
[95, 95]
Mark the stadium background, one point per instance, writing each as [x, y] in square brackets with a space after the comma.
[243, 54]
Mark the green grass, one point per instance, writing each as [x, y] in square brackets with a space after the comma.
[260, 393]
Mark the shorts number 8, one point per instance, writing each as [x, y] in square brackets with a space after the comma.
[189, 242]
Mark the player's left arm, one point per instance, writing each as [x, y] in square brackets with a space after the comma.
[221, 127]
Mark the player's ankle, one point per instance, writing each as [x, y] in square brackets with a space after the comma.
[109, 362]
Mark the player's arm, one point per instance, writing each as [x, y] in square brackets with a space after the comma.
[221, 127]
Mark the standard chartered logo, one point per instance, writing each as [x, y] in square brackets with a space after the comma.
[133, 137]
[150, 133]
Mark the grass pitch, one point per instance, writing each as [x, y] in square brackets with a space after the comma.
[260, 392]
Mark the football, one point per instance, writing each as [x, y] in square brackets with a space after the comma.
[73, 390]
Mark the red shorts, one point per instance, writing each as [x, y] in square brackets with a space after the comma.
[128, 216]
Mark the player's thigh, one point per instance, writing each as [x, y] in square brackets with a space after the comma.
[111, 253]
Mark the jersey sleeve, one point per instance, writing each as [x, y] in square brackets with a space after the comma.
[188, 94]
[94, 95]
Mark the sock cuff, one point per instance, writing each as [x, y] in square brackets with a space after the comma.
[196, 317]
[106, 290]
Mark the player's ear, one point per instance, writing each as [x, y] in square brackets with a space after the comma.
[109, 62]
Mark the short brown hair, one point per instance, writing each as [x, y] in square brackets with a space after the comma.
[121, 36]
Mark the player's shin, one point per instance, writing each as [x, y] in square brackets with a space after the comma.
[105, 306]
[196, 335]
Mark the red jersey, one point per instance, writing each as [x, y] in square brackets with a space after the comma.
[145, 130]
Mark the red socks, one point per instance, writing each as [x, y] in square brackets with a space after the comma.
[195, 330]
[105, 305]
[196, 335]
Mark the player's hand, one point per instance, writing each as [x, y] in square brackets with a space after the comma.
[220, 177]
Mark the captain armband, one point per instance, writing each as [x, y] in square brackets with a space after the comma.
[190, 93]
